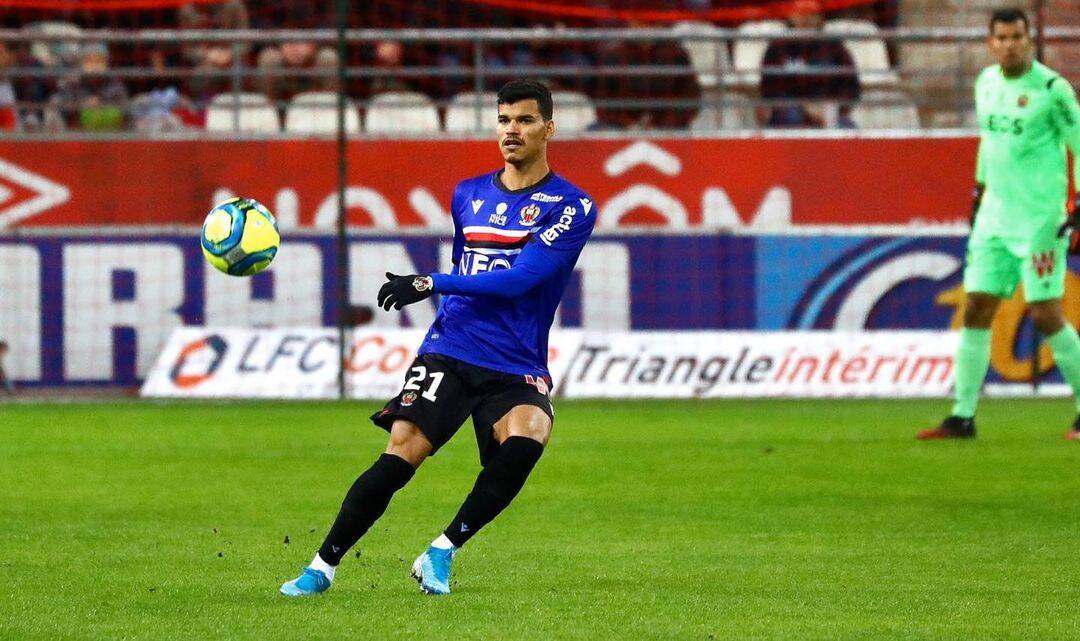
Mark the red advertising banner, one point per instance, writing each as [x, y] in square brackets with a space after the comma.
[685, 185]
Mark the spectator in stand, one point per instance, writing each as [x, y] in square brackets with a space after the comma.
[679, 86]
[811, 83]
[296, 66]
[9, 114]
[389, 58]
[5, 383]
[21, 98]
[212, 58]
[314, 68]
[89, 97]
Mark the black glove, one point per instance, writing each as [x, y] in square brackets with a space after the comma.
[399, 291]
[1071, 226]
[976, 200]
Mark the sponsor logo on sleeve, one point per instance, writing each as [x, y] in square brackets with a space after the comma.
[563, 224]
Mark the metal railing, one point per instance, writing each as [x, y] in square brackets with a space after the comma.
[913, 82]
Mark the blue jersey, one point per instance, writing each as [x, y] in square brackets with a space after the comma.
[514, 253]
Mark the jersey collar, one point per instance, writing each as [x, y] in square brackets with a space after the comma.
[496, 179]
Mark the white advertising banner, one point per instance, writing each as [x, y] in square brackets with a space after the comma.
[732, 364]
[296, 363]
[300, 363]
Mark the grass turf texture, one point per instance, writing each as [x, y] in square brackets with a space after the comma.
[689, 520]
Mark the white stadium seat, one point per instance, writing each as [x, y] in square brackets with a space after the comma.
[747, 55]
[574, 111]
[737, 112]
[401, 112]
[461, 114]
[245, 112]
[870, 56]
[315, 112]
[709, 58]
[54, 52]
[885, 109]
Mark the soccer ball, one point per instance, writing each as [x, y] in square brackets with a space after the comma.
[240, 237]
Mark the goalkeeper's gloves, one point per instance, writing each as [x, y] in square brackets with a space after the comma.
[1071, 227]
[399, 291]
[976, 200]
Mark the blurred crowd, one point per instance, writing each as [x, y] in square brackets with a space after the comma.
[77, 85]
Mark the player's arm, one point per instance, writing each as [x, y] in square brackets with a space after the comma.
[1066, 115]
[980, 167]
[553, 250]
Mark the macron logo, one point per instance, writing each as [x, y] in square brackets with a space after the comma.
[464, 528]
[586, 204]
[476, 205]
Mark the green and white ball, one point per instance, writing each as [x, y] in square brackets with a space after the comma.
[240, 237]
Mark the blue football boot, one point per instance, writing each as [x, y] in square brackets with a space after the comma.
[308, 583]
[432, 570]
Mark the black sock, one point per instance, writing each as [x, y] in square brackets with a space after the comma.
[364, 504]
[497, 485]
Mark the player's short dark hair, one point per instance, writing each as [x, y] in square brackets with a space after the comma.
[1009, 16]
[518, 90]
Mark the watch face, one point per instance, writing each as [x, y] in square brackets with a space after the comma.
[421, 283]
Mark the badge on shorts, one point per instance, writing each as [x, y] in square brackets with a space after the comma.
[538, 382]
[408, 398]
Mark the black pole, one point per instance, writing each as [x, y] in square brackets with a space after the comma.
[1040, 28]
[341, 13]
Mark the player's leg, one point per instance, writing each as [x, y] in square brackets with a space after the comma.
[426, 413]
[991, 273]
[1044, 276]
[364, 503]
[513, 425]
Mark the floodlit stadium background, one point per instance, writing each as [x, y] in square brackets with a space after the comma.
[122, 122]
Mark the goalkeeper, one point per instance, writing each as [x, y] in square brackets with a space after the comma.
[1021, 229]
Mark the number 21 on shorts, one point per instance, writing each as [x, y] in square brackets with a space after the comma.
[415, 381]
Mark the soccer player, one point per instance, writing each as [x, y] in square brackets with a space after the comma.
[1020, 231]
[518, 232]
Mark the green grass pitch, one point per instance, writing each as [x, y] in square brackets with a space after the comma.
[788, 520]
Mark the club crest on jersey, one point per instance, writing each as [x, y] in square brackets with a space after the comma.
[1022, 101]
[408, 398]
[529, 214]
[546, 198]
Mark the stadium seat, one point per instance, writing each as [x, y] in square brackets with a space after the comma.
[574, 111]
[885, 109]
[736, 111]
[401, 112]
[747, 55]
[255, 113]
[315, 112]
[709, 58]
[53, 53]
[461, 113]
[870, 56]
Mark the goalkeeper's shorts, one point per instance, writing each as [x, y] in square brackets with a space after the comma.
[995, 265]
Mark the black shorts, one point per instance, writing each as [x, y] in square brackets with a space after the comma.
[440, 392]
